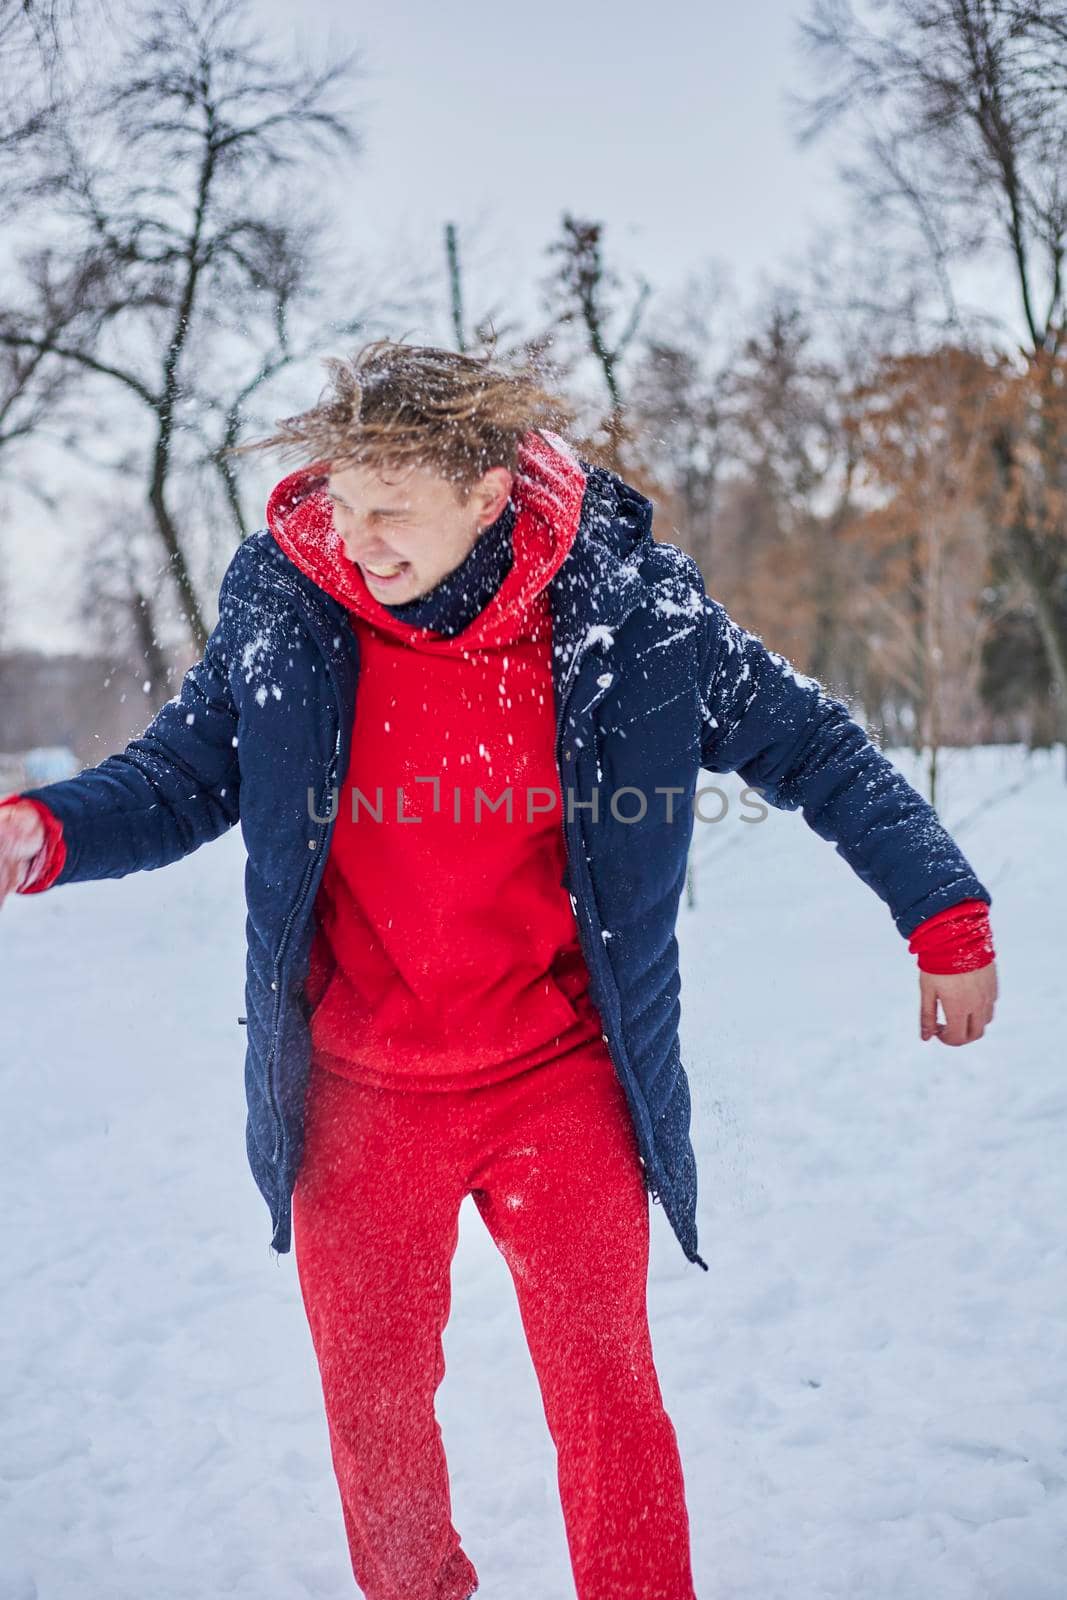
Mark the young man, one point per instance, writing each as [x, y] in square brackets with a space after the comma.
[459, 700]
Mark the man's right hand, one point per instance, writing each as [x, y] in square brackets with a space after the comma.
[21, 838]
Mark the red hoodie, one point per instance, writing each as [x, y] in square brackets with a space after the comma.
[446, 952]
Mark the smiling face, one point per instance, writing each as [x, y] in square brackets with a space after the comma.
[409, 529]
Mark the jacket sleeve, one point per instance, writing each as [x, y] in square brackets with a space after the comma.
[797, 744]
[173, 788]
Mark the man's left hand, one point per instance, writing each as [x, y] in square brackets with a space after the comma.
[967, 999]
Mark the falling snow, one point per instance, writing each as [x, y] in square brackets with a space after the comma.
[253, 652]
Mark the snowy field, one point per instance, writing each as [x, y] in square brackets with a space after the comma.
[869, 1387]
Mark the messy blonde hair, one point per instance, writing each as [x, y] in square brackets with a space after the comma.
[395, 405]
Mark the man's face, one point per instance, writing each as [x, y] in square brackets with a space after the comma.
[411, 528]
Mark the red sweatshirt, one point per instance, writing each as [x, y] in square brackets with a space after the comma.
[446, 952]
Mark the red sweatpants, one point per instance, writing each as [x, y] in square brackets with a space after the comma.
[550, 1157]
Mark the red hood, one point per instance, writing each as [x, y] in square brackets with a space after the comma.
[547, 495]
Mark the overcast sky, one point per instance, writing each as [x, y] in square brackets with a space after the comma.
[667, 121]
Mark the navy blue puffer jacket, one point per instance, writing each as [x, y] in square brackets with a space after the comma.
[653, 682]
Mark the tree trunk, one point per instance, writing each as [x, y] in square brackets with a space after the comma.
[176, 558]
[1051, 628]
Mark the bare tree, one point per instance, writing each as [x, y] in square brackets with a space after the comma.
[32, 383]
[676, 428]
[455, 286]
[924, 422]
[964, 119]
[495, 327]
[121, 586]
[179, 240]
[676, 422]
[223, 413]
[582, 292]
[786, 410]
[30, 50]
[32, 39]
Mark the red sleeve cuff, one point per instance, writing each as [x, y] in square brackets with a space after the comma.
[958, 939]
[48, 863]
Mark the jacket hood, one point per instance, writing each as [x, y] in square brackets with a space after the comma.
[548, 493]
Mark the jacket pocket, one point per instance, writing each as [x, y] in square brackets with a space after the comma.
[569, 976]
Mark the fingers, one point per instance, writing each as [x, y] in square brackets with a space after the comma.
[957, 1020]
[928, 1006]
[11, 871]
[984, 1005]
[9, 878]
[967, 999]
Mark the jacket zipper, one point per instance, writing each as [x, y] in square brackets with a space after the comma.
[578, 901]
[315, 857]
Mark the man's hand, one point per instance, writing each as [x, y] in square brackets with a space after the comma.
[21, 838]
[967, 999]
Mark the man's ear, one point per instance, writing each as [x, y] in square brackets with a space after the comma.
[491, 493]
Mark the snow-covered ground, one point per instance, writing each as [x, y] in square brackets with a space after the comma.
[869, 1387]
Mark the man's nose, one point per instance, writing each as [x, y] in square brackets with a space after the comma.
[363, 546]
[359, 540]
